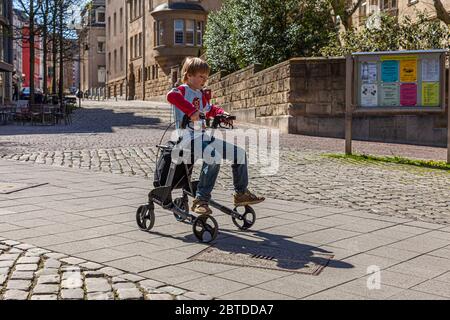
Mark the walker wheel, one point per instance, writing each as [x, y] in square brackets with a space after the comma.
[145, 217]
[183, 205]
[205, 228]
[247, 219]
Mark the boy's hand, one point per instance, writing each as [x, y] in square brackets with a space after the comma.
[195, 116]
[227, 121]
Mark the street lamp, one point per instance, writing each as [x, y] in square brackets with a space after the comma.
[78, 29]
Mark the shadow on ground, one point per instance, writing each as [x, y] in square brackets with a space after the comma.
[290, 256]
[92, 120]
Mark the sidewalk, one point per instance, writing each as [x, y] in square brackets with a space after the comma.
[306, 251]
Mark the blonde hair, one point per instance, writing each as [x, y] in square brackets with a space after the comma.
[192, 66]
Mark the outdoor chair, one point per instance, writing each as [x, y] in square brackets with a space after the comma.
[36, 113]
[6, 114]
[22, 114]
[48, 115]
[63, 113]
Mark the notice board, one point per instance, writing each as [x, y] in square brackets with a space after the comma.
[400, 80]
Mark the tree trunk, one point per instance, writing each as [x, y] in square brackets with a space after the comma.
[32, 51]
[54, 47]
[61, 51]
[441, 13]
[45, 47]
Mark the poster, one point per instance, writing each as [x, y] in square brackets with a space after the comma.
[390, 95]
[369, 72]
[408, 70]
[408, 94]
[430, 94]
[369, 95]
[430, 70]
[389, 71]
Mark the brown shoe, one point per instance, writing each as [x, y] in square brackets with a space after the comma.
[247, 198]
[201, 207]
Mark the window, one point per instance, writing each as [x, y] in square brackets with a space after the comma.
[131, 48]
[109, 27]
[131, 10]
[373, 6]
[388, 4]
[140, 44]
[136, 46]
[199, 33]
[158, 28]
[121, 58]
[160, 32]
[179, 31]
[190, 25]
[100, 15]
[101, 73]
[115, 24]
[363, 8]
[115, 61]
[101, 45]
[121, 20]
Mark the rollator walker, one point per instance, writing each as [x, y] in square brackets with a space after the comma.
[170, 176]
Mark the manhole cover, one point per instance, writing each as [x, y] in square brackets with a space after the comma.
[307, 262]
[10, 187]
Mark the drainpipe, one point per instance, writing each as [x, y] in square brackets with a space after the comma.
[143, 73]
[126, 49]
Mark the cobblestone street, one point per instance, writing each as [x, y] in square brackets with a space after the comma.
[75, 237]
[120, 137]
[28, 272]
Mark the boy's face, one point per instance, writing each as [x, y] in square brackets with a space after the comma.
[197, 81]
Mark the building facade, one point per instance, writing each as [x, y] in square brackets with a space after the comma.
[6, 51]
[397, 8]
[92, 38]
[147, 42]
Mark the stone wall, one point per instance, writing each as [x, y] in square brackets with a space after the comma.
[307, 96]
[116, 89]
[158, 87]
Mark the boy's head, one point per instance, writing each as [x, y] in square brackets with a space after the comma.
[195, 72]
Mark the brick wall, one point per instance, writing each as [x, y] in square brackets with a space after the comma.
[307, 96]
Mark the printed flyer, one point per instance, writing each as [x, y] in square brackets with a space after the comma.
[369, 95]
[430, 70]
[408, 94]
[408, 70]
[369, 72]
[430, 94]
[389, 71]
[390, 95]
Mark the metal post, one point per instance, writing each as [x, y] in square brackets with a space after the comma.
[79, 70]
[448, 113]
[348, 104]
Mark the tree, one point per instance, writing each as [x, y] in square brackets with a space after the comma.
[47, 19]
[30, 8]
[244, 32]
[344, 9]
[392, 35]
[441, 13]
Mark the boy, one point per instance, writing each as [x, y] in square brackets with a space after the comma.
[189, 99]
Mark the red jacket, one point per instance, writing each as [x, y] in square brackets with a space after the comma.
[176, 97]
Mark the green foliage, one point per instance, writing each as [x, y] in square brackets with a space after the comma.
[395, 159]
[244, 32]
[391, 36]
